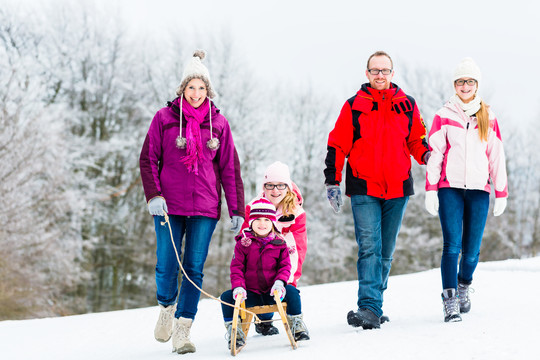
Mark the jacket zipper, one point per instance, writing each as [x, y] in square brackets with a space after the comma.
[465, 162]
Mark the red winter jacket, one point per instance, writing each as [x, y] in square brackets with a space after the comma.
[378, 131]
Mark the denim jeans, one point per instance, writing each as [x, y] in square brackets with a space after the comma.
[376, 225]
[292, 298]
[198, 232]
[463, 215]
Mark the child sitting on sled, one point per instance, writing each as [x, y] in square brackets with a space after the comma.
[260, 266]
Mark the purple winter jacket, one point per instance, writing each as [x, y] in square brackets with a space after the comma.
[256, 266]
[163, 173]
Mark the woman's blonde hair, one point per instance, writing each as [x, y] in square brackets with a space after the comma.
[482, 116]
[288, 203]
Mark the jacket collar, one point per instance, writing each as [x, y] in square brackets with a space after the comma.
[367, 98]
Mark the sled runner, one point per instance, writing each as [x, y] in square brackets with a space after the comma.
[234, 349]
[247, 318]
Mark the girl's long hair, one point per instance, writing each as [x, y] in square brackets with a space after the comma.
[288, 204]
[482, 116]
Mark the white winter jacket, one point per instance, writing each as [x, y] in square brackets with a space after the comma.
[459, 159]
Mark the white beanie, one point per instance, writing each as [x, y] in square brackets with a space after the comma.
[467, 68]
[195, 69]
[278, 172]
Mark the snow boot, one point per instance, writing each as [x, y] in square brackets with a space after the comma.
[240, 337]
[298, 327]
[180, 336]
[384, 319]
[266, 329]
[464, 300]
[451, 305]
[164, 325]
[364, 318]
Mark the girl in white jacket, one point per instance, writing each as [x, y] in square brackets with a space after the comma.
[467, 156]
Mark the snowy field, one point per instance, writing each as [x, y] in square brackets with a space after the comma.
[503, 324]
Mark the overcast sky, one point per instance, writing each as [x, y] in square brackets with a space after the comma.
[326, 43]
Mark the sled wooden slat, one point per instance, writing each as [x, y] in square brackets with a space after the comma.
[246, 322]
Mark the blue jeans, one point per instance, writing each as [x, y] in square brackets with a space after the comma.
[198, 232]
[376, 225]
[292, 298]
[463, 215]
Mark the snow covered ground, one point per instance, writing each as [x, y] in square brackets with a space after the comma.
[503, 324]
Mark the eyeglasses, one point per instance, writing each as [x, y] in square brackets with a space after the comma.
[461, 82]
[272, 186]
[377, 71]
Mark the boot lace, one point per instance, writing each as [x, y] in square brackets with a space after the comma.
[463, 292]
[297, 324]
[451, 305]
[165, 315]
[239, 333]
[181, 331]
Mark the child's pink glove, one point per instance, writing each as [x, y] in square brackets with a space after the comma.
[239, 291]
[280, 288]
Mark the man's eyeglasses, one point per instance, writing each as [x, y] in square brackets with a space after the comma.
[377, 71]
[272, 186]
[461, 82]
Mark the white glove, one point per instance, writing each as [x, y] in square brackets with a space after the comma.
[280, 288]
[236, 223]
[432, 202]
[157, 206]
[239, 291]
[500, 205]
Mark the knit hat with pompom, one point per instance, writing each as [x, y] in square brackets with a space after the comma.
[195, 69]
[262, 207]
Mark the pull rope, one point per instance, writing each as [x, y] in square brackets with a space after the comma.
[257, 320]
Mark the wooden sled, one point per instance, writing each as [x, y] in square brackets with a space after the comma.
[247, 318]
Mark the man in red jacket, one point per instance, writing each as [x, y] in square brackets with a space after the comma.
[377, 130]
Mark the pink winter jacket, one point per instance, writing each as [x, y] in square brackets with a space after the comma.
[257, 263]
[459, 159]
[294, 232]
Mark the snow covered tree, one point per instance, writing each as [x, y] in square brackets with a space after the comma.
[40, 246]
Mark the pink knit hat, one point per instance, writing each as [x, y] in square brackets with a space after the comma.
[278, 172]
[262, 207]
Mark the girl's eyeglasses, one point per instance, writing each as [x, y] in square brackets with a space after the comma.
[272, 186]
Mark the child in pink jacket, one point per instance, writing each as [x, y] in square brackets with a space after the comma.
[260, 266]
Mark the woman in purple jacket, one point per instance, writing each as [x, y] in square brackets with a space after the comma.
[188, 156]
[260, 266]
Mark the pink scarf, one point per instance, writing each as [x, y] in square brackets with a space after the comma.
[194, 118]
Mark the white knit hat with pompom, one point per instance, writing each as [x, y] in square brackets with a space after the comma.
[195, 69]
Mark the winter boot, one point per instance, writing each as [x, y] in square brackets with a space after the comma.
[240, 337]
[451, 305]
[298, 327]
[266, 329]
[180, 336]
[384, 319]
[464, 300]
[164, 325]
[364, 318]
